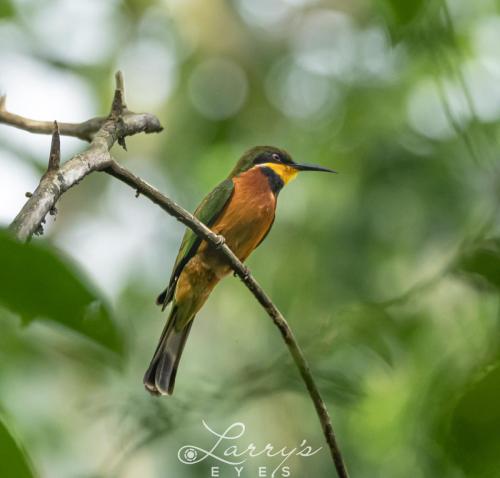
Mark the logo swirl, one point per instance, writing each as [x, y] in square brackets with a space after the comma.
[190, 455]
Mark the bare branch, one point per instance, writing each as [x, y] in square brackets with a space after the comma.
[138, 184]
[84, 131]
[59, 179]
[87, 129]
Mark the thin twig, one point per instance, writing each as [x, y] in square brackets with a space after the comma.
[138, 184]
[121, 123]
[55, 149]
[84, 131]
[457, 69]
[118, 107]
[454, 122]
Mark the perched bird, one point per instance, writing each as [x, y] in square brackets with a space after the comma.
[241, 209]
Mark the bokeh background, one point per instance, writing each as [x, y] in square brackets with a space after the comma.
[388, 273]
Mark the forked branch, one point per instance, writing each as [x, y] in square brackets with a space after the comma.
[103, 133]
[57, 180]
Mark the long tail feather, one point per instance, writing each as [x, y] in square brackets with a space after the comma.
[159, 378]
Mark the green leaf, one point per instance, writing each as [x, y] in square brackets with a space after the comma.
[481, 264]
[13, 459]
[404, 11]
[6, 9]
[403, 18]
[36, 282]
[474, 436]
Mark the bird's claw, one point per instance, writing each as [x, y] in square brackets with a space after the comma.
[219, 242]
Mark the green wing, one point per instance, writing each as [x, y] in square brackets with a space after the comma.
[207, 212]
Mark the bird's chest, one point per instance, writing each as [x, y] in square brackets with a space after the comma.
[252, 210]
[249, 214]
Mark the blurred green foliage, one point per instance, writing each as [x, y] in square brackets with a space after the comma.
[482, 263]
[6, 9]
[37, 283]
[14, 461]
[404, 12]
[388, 273]
[474, 440]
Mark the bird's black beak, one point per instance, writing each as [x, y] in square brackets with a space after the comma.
[312, 167]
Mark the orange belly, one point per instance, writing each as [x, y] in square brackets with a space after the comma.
[244, 223]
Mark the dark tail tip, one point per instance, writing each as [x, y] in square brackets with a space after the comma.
[149, 380]
[159, 378]
[157, 382]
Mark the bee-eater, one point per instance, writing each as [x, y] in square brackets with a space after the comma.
[241, 209]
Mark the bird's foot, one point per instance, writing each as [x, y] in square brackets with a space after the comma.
[220, 241]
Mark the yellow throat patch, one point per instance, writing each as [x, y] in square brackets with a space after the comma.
[285, 172]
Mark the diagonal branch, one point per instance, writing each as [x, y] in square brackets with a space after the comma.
[123, 174]
[119, 124]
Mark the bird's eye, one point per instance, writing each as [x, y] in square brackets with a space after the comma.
[276, 157]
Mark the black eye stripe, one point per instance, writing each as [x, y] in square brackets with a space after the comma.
[272, 157]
